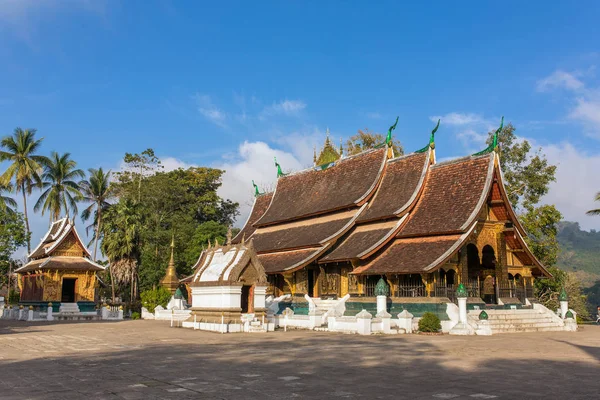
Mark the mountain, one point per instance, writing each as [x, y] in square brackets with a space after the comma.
[580, 252]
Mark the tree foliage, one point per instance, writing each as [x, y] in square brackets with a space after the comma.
[527, 176]
[364, 140]
[97, 191]
[61, 183]
[180, 203]
[25, 167]
[595, 211]
[7, 203]
[547, 291]
[12, 236]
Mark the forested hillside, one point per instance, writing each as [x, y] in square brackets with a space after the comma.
[580, 252]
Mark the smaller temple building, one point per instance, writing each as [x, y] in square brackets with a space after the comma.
[60, 272]
[228, 290]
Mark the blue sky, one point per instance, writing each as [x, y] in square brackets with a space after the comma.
[231, 84]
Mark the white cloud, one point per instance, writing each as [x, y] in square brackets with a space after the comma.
[285, 107]
[472, 129]
[585, 97]
[587, 111]
[574, 190]
[172, 163]
[253, 161]
[209, 110]
[460, 119]
[560, 79]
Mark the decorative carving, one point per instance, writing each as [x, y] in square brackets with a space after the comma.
[70, 246]
[352, 283]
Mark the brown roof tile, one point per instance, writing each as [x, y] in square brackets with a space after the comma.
[360, 240]
[399, 187]
[413, 255]
[349, 182]
[288, 260]
[60, 263]
[307, 233]
[453, 193]
[261, 203]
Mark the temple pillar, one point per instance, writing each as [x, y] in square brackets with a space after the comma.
[463, 266]
[501, 257]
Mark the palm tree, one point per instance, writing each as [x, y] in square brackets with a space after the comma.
[25, 167]
[97, 191]
[62, 190]
[7, 203]
[597, 210]
[121, 242]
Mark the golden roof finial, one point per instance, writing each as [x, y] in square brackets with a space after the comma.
[315, 155]
[229, 236]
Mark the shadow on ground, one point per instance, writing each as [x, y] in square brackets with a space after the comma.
[180, 364]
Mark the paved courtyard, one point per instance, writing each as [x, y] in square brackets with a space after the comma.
[150, 360]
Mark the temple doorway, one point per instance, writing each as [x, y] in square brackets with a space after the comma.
[68, 290]
[247, 299]
[482, 273]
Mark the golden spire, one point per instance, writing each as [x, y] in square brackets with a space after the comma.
[170, 281]
[172, 260]
[315, 155]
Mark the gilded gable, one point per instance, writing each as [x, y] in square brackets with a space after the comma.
[70, 246]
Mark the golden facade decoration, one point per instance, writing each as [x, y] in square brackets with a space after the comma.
[70, 246]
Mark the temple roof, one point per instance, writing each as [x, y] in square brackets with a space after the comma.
[261, 203]
[61, 263]
[362, 240]
[348, 183]
[401, 215]
[413, 255]
[226, 265]
[452, 198]
[399, 187]
[57, 233]
[286, 261]
[304, 233]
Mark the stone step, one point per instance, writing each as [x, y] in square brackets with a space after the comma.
[525, 316]
[521, 321]
[501, 312]
[517, 326]
[529, 329]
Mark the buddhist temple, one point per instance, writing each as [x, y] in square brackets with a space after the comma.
[60, 271]
[421, 225]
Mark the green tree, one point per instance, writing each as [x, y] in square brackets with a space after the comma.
[62, 191]
[595, 211]
[548, 291]
[7, 203]
[527, 176]
[364, 140]
[20, 150]
[97, 191]
[121, 243]
[12, 236]
[140, 165]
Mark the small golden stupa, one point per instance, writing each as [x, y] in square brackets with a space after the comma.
[170, 281]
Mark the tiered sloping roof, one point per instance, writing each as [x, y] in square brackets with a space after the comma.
[402, 215]
[45, 256]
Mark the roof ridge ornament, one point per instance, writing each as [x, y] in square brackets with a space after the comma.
[256, 191]
[431, 144]
[388, 140]
[279, 171]
[494, 145]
